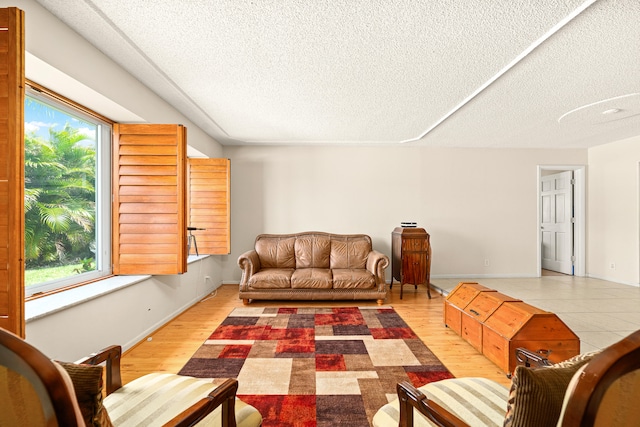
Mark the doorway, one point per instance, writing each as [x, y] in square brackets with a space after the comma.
[575, 265]
[556, 221]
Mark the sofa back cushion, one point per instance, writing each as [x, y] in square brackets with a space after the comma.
[350, 251]
[312, 250]
[276, 251]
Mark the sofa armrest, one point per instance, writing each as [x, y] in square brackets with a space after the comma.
[376, 264]
[410, 397]
[532, 359]
[111, 355]
[224, 395]
[249, 262]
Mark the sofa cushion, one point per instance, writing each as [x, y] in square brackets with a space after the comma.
[351, 278]
[536, 395]
[276, 251]
[154, 399]
[271, 278]
[312, 251]
[489, 400]
[87, 384]
[312, 278]
[350, 252]
[577, 359]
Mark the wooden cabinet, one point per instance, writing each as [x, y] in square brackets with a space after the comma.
[496, 324]
[410, 257]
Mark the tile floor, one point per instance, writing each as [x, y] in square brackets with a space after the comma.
[598, 311]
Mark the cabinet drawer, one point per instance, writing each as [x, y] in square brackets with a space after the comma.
[415, 244]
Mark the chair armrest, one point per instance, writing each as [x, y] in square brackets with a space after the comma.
[532, 359]
[224, 395]
[376, 264]
[410, 397]
[111, 355]
[249, 262]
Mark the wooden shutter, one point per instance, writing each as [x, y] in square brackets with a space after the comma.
[12, 170]
[209, 206]
[149, 216]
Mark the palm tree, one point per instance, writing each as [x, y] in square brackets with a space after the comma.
[60, 205]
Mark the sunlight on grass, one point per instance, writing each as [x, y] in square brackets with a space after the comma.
[41, 275]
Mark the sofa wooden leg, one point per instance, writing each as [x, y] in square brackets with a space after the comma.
[245, 301]
[380, 301]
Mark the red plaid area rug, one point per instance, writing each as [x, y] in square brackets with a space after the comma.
[316, 367]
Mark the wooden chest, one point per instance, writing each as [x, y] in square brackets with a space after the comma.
[477, 312]
[517, 324]
[496, 324]
[457, 300]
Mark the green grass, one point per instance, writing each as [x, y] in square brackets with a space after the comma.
[40, 275]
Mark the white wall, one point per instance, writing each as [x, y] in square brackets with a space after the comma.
[124, 316]
[74, 68]
[613, 211]
[477, 204]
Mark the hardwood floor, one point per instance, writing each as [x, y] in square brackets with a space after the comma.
[169, 348]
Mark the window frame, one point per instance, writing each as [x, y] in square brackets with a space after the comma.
[103, 192]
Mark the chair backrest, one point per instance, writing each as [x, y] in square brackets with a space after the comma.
[606, 391]
[33, 389]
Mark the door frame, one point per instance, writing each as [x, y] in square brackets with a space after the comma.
[579, 209]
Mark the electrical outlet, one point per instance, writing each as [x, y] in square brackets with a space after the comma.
[207, 279]
[612, 266]
[486, 263]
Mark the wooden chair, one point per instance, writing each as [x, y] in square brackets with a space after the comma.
[602, 392]
[35, 390]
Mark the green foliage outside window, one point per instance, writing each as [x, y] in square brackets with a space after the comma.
[60, 199]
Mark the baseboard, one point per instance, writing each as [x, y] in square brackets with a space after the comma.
[484, 276]
[635, 285]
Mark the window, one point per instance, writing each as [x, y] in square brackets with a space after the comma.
[140, 178]
[67, 194]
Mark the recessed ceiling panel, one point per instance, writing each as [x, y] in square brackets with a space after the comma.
[360, 71]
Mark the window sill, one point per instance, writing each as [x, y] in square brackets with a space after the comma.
[59, 301]
[194, 258]
[46, 305]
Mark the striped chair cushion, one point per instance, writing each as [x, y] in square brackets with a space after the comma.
[476, 401]
[155, 399]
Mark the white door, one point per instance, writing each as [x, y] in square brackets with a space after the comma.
[557, 222]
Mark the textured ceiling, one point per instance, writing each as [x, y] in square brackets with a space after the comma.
[470, 73]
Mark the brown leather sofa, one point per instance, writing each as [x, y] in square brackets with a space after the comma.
[313, 266]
